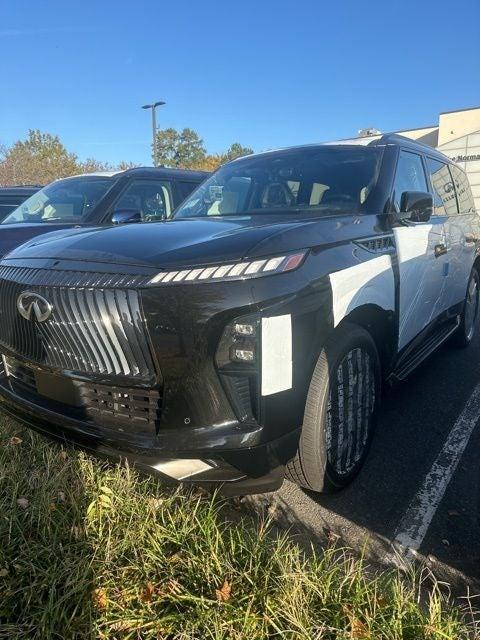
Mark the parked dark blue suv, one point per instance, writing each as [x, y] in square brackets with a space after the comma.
[143, 194]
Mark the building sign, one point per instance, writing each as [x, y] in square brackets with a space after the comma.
[460, 158]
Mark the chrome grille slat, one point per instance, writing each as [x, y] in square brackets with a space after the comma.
[93, 354]
[96, 326]
[113, 365]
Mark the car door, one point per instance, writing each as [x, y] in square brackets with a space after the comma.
[422, 255]
[461, 226]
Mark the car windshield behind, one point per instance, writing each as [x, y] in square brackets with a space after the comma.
[69, 200]
[314, 179]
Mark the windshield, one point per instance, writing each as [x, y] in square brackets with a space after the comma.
[69, 200]
[309, 179]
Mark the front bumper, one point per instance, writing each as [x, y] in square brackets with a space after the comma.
[211, 456]
[125, 370]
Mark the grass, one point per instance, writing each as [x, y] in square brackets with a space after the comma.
[89, 550]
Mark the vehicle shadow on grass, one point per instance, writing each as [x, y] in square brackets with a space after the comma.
[414, 422]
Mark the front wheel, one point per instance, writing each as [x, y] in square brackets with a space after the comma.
[340, 412]
[463, 336]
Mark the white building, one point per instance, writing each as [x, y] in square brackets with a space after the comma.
[457, 135]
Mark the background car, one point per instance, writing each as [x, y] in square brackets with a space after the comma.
[142, 194]
[11, 197]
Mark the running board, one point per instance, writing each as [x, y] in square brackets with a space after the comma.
[426, 348]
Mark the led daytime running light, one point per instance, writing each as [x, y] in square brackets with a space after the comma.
[241, 270]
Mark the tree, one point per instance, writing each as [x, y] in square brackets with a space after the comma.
[236, 150]
[182, 149]
[40, 158]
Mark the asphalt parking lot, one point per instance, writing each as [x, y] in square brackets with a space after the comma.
[415, 484]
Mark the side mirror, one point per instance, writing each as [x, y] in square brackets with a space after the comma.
[126, 216]
[416, 206]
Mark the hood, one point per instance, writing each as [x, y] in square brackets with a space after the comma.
[13, 235]
[171, 243]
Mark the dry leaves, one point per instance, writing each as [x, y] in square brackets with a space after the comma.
[23, 503]
[77, 532]
[147, 593]
[155, 503]
[99, 598]
[224, 594]
[358, 629]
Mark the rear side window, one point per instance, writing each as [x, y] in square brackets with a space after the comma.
[410, 176]
[444, 198]
[462, 187]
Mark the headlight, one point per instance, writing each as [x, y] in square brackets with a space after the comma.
[237, 271]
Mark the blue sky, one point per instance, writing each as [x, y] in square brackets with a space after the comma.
[265, 73]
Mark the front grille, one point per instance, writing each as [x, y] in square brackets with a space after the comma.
[96, 326]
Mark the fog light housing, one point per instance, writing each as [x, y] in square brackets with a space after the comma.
[237, 358]
[245, 329]
[242, 355]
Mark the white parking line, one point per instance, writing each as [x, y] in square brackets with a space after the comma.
[416, 520]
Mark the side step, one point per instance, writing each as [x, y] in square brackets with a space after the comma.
[424, 350]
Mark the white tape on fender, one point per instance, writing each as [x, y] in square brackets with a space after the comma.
[276, 354]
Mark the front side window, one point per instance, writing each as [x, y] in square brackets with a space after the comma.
[319, 180]
[444, 199]
[70, 200]
[462, 186]
[409, 176]
[151, 198]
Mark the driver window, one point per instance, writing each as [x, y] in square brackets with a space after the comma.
[410, 176]
[152, 198]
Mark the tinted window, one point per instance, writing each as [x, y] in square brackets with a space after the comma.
[185, 189]
[444, 198]
[152, 198]
[317, 179]
[462, 187]
[409, 176]
[68, 200]
[9, 204]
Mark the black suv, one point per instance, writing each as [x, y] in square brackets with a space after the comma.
[249, 337]
[11, 197]
[143, 194]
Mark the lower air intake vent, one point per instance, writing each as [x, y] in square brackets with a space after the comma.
[117, 405]
[120, 408]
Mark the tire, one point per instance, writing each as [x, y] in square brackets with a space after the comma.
[317, 464]
[465, 333]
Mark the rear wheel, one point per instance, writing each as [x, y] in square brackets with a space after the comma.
[340, 412]
[468, 320]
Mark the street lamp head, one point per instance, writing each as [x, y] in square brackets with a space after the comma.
[152, 106]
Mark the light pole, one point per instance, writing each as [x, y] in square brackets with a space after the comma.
[154, 126]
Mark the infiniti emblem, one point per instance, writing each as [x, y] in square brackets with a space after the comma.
[29, 304]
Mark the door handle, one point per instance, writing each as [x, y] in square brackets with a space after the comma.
[440, 250]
